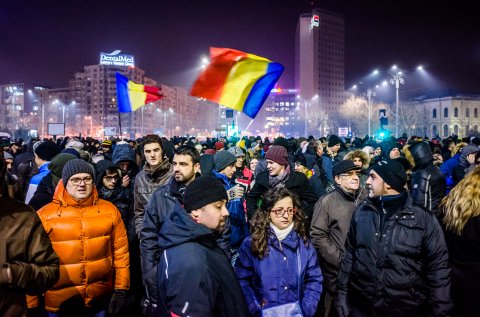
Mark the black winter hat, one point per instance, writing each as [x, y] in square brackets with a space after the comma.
[47, 150]
[343, 167]
[76, 166]
[393, 173]
[223, 159]
[202, 191]
[334, 140]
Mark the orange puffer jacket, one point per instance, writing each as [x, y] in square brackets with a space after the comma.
[91, 241]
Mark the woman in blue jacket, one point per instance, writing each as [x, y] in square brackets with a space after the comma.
[267, 264]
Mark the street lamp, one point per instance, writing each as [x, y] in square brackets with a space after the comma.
[396, 80]
[370, 93]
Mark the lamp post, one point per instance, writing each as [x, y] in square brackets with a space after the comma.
[397, 80]
[370, 93]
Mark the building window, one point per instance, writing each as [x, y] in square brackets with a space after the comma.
[445, 129]
[455, 112]
[467, 112]
[475, 128]
[445, 112]
[475, 113]
[455, 129]
[434, 130]
[467, 129]
[434, 113]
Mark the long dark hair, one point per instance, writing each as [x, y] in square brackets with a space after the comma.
[260, 224]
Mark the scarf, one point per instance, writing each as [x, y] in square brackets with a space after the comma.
[279, 180]
[157, 171]
[281, 234]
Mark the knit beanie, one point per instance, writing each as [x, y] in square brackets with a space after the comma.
[469, 149]
[334, 140]
[393, 173]
[76, 166]
[74, 144]
[202, 191]
[47, 150]
[57, 164]
[223, 159]
[219, 145]
[237, 151]
[278, 154]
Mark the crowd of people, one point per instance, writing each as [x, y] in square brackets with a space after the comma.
[240, 227]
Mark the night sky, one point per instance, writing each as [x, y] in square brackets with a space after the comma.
[45, 42]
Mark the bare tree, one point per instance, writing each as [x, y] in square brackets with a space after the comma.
[355, 112]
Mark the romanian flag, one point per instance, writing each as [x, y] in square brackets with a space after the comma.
[237, 80]
[132, 96]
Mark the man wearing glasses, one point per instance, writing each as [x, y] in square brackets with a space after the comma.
[89, 236]
[331, 220]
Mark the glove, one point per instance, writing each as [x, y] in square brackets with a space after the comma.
[235, 192]
[117, 302]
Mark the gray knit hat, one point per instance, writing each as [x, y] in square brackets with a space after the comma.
[223, 159]
[76, 166]
[237, 151]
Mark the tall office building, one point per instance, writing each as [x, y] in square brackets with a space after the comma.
[320, 69]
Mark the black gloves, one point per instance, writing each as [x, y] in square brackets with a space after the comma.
[117, 302]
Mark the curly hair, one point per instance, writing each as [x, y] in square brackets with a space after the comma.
[260, 224]
[462, 203]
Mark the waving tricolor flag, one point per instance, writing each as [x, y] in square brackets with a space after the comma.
[237, 80]
[132, 96]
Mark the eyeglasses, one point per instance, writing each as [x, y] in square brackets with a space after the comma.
[351, 174]
[77, 181]
[280, 211]
[111, 178]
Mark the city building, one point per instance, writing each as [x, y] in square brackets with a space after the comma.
[442, 114]
[19, 107]
[320, 69]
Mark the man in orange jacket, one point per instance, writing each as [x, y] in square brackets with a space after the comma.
[89, 236]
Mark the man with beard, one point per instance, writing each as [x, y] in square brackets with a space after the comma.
[194, 276]
[186, 165]
[396, 260]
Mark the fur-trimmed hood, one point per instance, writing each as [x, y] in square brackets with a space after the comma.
[361, 154]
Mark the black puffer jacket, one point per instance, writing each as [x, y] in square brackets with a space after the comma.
[395, 263]
[428, 184]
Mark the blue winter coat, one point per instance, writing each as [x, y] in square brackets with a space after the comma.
[273, 280]
[238, 220]
[195, 277]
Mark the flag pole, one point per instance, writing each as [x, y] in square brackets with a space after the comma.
[120, 124]
[248, 126]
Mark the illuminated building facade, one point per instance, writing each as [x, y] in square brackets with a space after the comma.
[320, 68]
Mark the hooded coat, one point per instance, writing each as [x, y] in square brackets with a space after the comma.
[428, 185]
[195, 277]
[91, 241]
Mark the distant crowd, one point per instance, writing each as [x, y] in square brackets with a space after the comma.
[240, 227]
